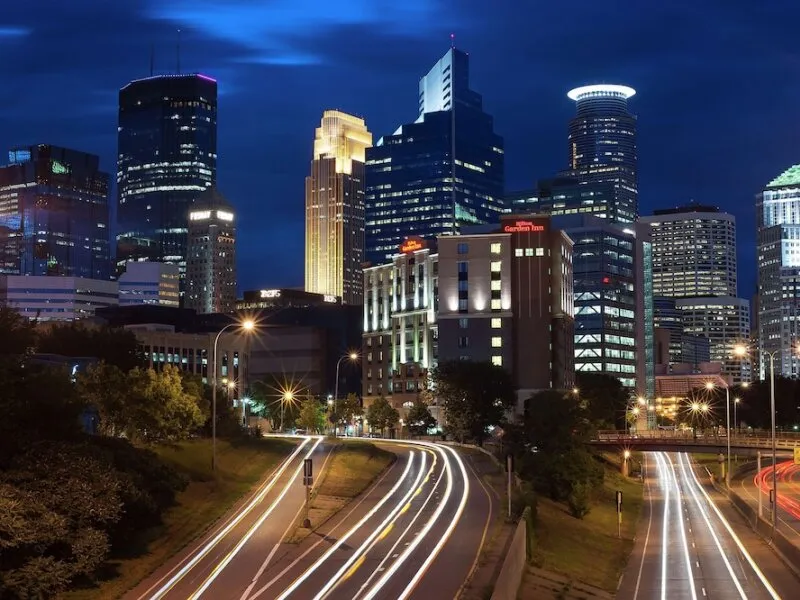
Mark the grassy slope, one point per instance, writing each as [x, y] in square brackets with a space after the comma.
[588, 550]
[240, 466]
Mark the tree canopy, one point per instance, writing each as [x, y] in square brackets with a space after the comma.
[476, 396]
[114, 346]
[604, 397]
[311, 416]
[381, 415]
[419, 418]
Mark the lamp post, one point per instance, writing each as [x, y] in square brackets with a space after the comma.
[288, 396]
[741, 351]
[351, 356]
[245, 326]
[710, 386]
[245, 402]
[735, 418]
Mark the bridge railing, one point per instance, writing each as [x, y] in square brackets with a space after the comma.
[687, 438]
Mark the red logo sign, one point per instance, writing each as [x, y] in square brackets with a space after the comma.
[412, 244]
[523, 227]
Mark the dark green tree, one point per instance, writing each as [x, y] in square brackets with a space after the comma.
[419, 418]
[116, 347]
[604, 397]
[381, 415]
[476, 396]
[311, 416]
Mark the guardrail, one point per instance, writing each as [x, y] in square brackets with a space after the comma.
[681, 439]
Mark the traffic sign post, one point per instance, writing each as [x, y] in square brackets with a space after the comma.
[619, 513]
[308, 481]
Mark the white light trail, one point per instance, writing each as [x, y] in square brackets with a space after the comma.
[230, 556]
[345, 537]
[216, 539]
[684, 541]
[416, 488]
[665, 525]
[736, 539]
[710, 527]
[442, 541]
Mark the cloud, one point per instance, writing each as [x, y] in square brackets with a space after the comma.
[7, 31]
[282, 32]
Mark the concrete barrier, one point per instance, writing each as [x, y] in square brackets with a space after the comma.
[507, 585]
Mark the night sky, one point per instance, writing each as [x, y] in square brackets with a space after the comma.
[717, 80]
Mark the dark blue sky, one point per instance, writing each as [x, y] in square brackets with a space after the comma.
[718, 86]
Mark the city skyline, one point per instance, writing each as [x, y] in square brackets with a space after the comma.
[689, 110]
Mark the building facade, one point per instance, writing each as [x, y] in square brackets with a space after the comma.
[569, 196]
[435, 175]
[694, 252]
[211, 264]
[673, 344]
[54, 214]
[167, 157]
[602, 145]
[334, 247]
[270, 299]
[149, 283]
[48, 298]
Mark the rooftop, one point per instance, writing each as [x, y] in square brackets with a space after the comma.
[790, 176]
[601, 90]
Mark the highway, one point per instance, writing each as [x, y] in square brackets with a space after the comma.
[788, 475]
[689, 549]
[415, 533]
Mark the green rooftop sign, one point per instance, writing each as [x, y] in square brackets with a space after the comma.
[790, 176]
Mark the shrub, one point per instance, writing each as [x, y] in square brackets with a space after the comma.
[578, 500]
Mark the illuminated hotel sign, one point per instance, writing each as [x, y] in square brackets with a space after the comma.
[328, 298]
[225, 216]
[412, 244]
[523, 227]
[200, 215]
[270, 294]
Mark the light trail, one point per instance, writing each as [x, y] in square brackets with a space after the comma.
[709, 526]
[346, 536]
[442, 541]
[764, 581]
[684, 541]
[402, 536]
[246, 537]
[665, 522]
[361, 550]
[197, 557]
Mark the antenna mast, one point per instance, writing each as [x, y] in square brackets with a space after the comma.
[179, 52]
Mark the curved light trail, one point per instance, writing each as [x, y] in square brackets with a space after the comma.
[204, 550]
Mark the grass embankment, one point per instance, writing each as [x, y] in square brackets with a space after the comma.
[240, 465]
[587, 550]
[351, 468]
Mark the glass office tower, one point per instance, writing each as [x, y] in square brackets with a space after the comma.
[441, 172]
[602, 144]
[54, 214]
[167, 156]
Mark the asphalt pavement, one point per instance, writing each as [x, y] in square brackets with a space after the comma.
[691, 545]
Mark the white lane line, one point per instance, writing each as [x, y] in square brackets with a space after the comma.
[246, 537]
[197, 557]
[442, 541]
[391, 553]
[736, 539]
[684, 541]
[665, 525]
[415, 489]
[647, 535]
[710, 527]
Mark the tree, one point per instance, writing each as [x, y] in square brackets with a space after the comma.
[476, 395]
[419, 418]
[345, 411]
[117, 347]
[312, 415]
[106, 388]
[381, 415]
[604, 397]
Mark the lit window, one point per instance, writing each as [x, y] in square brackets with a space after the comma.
[540, 252]
[528, 251]
[463, 323]
[497, 323]
[497, 342]
[495, 248]
[497, 361]
[495, 266]
[496, 304]
[518, 252]
[496, 284]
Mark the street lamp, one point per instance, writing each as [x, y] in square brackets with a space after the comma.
[245, 326]
[710, 386]
[735, 419]
[288, 396]
[740, 350]
[353, 356]
[245, 402]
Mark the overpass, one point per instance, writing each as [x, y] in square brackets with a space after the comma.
[682, 441]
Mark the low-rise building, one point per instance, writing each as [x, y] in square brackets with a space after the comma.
[54, 298]
[150, 283]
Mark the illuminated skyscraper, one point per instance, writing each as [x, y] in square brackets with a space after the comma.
[167, 157]
[335, 208]
[54, 214]
[602, 145]
[211, 264]
[435, 175]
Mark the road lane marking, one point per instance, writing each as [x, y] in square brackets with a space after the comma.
[647, 535]
[197, 557]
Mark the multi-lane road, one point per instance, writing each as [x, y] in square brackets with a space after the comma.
[416, 533]
[688, 547]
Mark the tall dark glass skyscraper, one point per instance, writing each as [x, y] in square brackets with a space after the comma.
[441, 172]
[602, 145]
[54, 214]
[167, 157]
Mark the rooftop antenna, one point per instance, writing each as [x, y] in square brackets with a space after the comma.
[152, 58]
[178, 51]
[452, 40]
